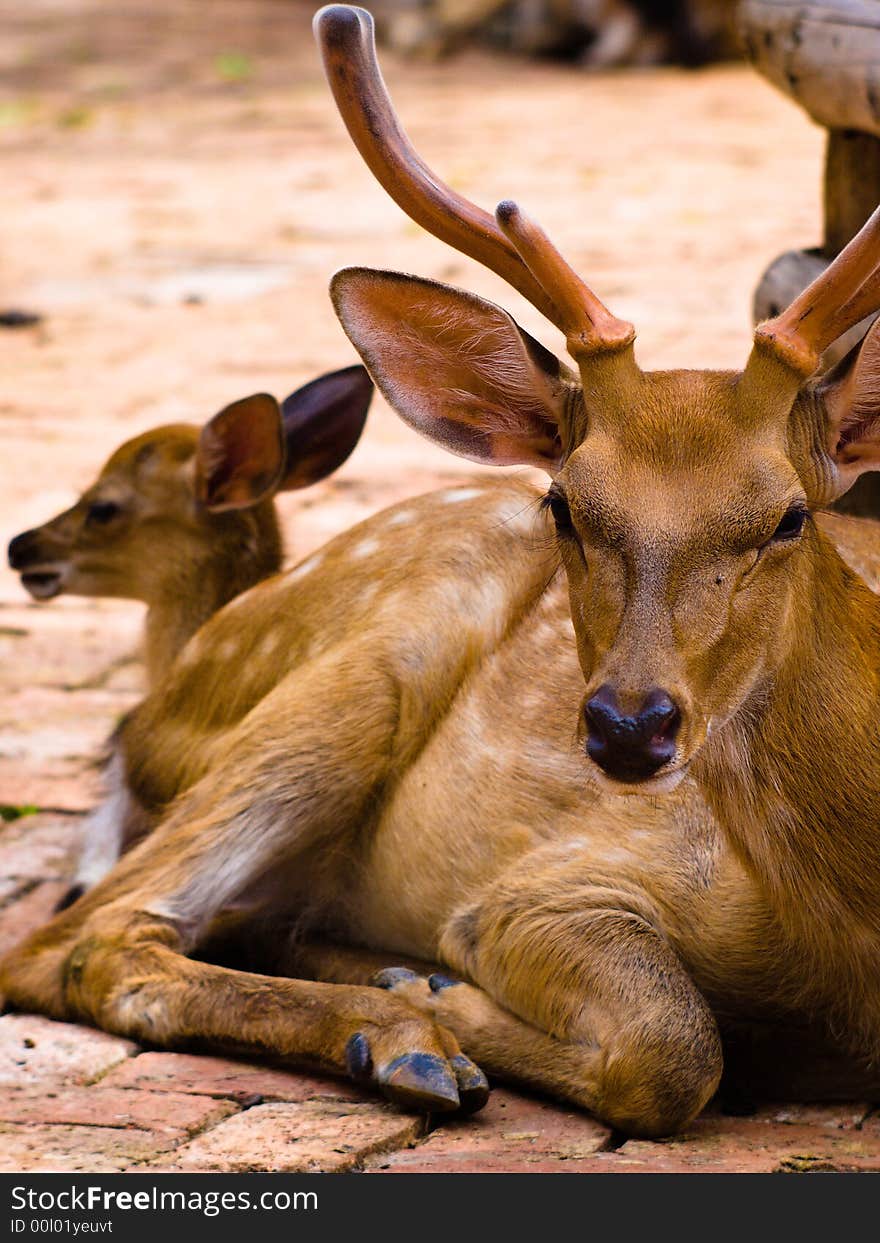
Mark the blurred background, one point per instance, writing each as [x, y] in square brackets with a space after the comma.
[177, 191]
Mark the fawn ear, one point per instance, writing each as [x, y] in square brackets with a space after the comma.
[851, 395]
[323, 422]
[456, 368]
[240, 454]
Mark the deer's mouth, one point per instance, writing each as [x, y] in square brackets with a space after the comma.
[662, 783]
[43, 584]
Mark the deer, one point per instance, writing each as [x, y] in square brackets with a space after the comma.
[607, 759]
[183, 518]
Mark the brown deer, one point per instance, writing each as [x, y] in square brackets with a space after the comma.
[425, 748]
[183, 518]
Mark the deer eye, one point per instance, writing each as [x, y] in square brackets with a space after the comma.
[791, 524]
[558, 506]
[102, 512]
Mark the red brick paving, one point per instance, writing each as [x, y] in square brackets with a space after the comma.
[306, 1137]
[216, 1076]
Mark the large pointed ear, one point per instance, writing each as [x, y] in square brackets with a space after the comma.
[240, 454]
[323, 422]
[851, 394]
[456, 368]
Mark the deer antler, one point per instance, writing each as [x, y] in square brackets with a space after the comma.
[847, 291]
[588, 325]
[531, 265]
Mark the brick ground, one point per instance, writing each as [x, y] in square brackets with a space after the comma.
[118, 179]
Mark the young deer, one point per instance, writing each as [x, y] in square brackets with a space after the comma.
[183, 518]
[424, 750]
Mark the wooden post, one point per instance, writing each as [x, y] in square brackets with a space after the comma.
[826, 57]
[852, 185]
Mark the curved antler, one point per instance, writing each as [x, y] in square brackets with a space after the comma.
[345, 37]
[847, 291]
[588, 325]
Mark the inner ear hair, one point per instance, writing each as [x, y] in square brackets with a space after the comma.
[456, 367]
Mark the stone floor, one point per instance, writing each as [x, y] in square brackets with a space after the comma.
[177, 189]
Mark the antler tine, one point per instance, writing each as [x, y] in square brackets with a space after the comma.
[345, 37]
[589, 326]
[847, 291]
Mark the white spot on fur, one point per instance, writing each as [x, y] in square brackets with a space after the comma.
[401, 518]
[365, 548]
[227, 650]
[300, 571]
[270, 645]
[612, 854]
[452, 496]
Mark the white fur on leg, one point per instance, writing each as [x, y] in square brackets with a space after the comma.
[105, 827]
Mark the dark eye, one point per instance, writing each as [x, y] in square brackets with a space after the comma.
[791, 525]
[102, 512]
[558, 506]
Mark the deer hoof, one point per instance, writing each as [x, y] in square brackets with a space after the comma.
[73, 894]
[390, 977]
[420, 1081]
[438, 982]
[473, 1086]
[358, 1058]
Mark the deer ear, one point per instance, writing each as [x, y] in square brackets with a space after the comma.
[851, 394]
[323, 422]
[456, 368]
[240, 454]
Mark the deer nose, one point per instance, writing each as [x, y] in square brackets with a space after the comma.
[631, 748]
[21, 550]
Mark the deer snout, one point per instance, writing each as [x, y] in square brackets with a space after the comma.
[24, 550]
[631, 747]
[40, 572]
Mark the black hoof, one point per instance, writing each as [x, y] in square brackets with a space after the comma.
[358, 1058]
[420, 1081]
[473, 1086]
[438, 982]
[389, 976]
[73, 894]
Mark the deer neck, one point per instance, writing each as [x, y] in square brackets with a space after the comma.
[189, 593]
[794, 777]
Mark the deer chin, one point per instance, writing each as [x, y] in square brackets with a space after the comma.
[663, 783]
[44, 583]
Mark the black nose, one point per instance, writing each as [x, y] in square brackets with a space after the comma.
[631, 748]
[22, 550]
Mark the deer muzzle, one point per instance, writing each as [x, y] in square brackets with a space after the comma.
[41, 575]
[631, 746]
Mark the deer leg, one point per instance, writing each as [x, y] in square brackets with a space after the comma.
[588, 965]
[611, 1023]
[301, 769]
[130, 977]
[576, 992]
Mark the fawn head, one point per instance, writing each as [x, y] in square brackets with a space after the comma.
[681, 500]
[179, 498]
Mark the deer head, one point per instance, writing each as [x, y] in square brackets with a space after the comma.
[178, 498]
[682, 500]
